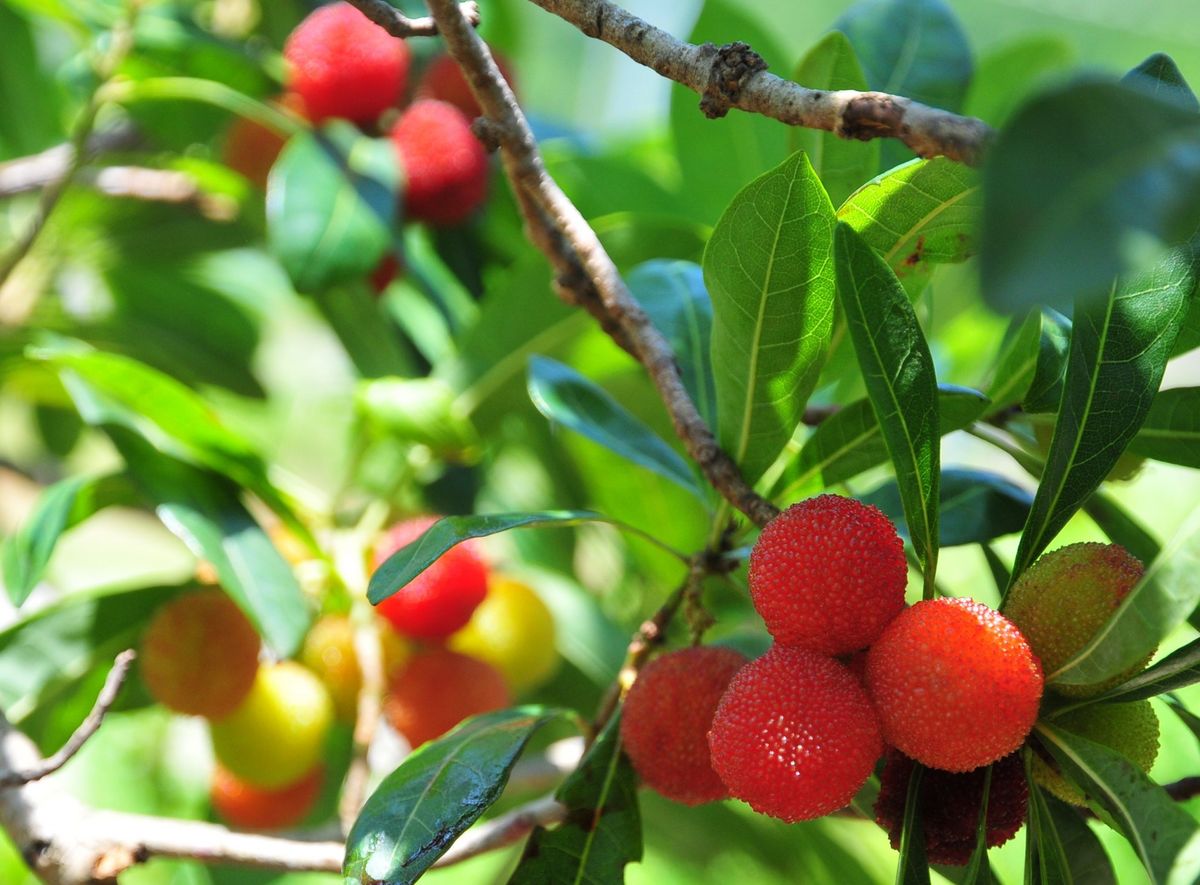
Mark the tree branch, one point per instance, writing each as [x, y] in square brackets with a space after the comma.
[734, 76]
[400, 25]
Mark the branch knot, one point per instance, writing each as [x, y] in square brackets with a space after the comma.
[734, 64]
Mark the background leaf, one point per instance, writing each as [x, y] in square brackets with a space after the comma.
[1178, 669]
[1171, 431]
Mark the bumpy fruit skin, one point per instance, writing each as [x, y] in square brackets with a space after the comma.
[445, 165]
[199, 655]
[828, 574]
[251, 808]
[344, 65]
[328, 652]
[950, 803]
[443, 81]
[278, 733]
[442, 598]
[666, 718]
[1129, 729]
[1065, 597]
[794, 735]
[439, 689]
[955, 684]
[514, 632]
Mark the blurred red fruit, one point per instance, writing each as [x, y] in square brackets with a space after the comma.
[439, 689]
[443, 80]
[445, 165]
[252, 808]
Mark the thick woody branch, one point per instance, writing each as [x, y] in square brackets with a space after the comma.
[525, 169]
[734, 76]
[400, 25]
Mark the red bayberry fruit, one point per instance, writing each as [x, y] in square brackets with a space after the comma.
[345, 65]
[442, 598]
[443, 80]
[828, 574]
[949, 805]
[439, 689]
[253, 808]
[794, 735]
[667, 715]
[445, 166]
[955, 684]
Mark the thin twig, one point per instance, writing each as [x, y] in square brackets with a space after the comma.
[400, 25]
[369, 652]
[504, 830]
[734, 76]
[87, 728]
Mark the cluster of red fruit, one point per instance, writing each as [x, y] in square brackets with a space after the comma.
[796, 733]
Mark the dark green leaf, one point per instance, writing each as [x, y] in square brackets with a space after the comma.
[1017, 363]
[1119, 349]
[60, 429]
[769, 272]
[331, 200]
[61, 506]
[1005, 77]
[1060, 217]
[1000, 573]
[673, 294]
[1046, 856]
[369, 339]
[1086, 858]
[1176, 670]
[899, 375]
[979, 871]
[912, 868]
[1171, 431]
[1121, 527]
[1045, 390]
[1161, 77]
[436, 794]
[1190, 720]
[842, 164]
[1165, 837]
[563, 395]
[976, 506]
[603, 829]
[30, 114]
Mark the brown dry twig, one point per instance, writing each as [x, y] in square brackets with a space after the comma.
[400, 25]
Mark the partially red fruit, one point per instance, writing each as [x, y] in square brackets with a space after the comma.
[443, 80]
[955, 684]
[345, 65]
[253, 808]
[445, 165]
[794, 735]
[949, 806]
[666, 718]
[439, 689]
[442, 598]
[828, 574]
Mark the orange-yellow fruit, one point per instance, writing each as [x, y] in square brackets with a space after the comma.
[278, 733]
[666, 718]
[445, 165]
[439, 689]
[329, 653]
[1064, 598]
[251, 808]
[1129, 729]
[794, 735]
[514, 632]
[443, 80]
[199, 654]
[955, 684]
[950, 803]
[828, 574]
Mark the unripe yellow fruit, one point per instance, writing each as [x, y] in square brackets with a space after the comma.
[1129, 729]
[278, 733]
[329, 652]
[514, 632]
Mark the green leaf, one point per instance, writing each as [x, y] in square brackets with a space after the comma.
[1121, 528]
[976, 506]
[30, 116]
[1171, 431]
[65, 504]
[1045, 390]
[1005, 77]
[769, 270]
[367, 336]
[421, 411]
[673, 294]
[912, 868]
[1166, 594]
[918, 215]
[202, 509]
[436, 794]
[1063, 217]
[899, 375]
[331, 201]
[1086, 859]
[566, 397]
[842, 164]
[1016, 363]
[979, 871]
[1165, 837]
[1161, 77]
[603, 829]
[1119, 349]
[1176, 670]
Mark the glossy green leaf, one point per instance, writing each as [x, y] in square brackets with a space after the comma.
[899, 375]
[841, 163]
[1045, 390]
[978, 871]
[25, 554]
[331, 201]
[769, 270]
[1004, 78]
[566, 397]
[673, 294]
[1165, 837]
[1171, 431]
[916, 216]
[1178, 669]
[1061, 219]
[912, 867]
[976, 506]
[1119, 349]
[436, 794]
[603, 829]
